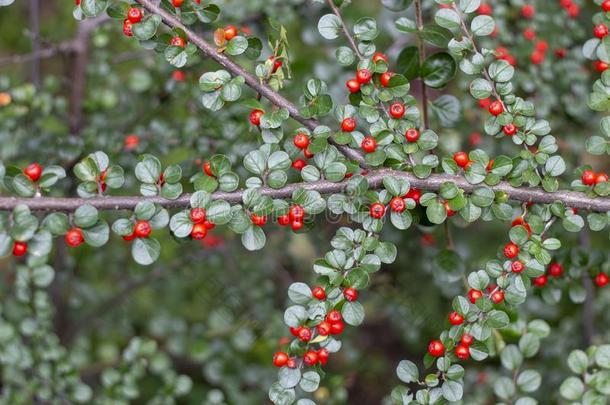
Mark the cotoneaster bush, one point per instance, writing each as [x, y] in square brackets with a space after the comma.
[439, 165]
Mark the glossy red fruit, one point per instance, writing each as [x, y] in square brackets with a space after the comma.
[301, 140]
[412, 135]
[74, 237]
[304, 334]
[455, 318]
[33, 171]
[296, 212]
[178, 75]
[283, 220]
[378, 57]
[199, 231]
[601, 66]
[606, 5]
[474, 295]
[310, 358]
[353, 85]
[510, 250]
[280, 359]
[323, 328]
[436, 348]
[529, 34]
[348, 124]
[517, 266]
[296, 224]
[258, 220]
[600, 178]
[337, 328]
[588, 178]
[496, 108]
[142, 229]
[131, 142]
[601, 280]
[450, 212]
[318, 293]
[130, 237]
[528, 11]
[350, 294]
[397, 110]
[368, 144]
[127, 28]
[397, 204]
[276, 63]
[134, 14]
[20, 248]
[484, 9]
[541, 281]
[230, 32]
[178, 41]
[299, 164]
[414, 194]
[462, 352]
[322, 355]
[197, 215]
[497, 297]
[467, 339]
[509, 129]
[461, 159]
[177, 3]
[377, 210]
[555, 270]
[600, 31]
[207, 168]
[363, 76]
[209, 225]
[334, 316]
[385, 78]
[255, 117]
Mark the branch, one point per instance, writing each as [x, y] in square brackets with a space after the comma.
[375, 178]
[251, 80]
[345, 30]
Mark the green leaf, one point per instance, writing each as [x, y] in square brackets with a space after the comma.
[482, 25]
[438, 69]
[329, 26]
[253, 238]
[353, 313]
[452, 390]
[237, 46]
[407, 372]
[145, 251]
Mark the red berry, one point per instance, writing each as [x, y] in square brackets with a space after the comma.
[461, 159]
[20, 248]
[497, 297]
[310, 358]
[377, 210]
[323, 328]
[369, 144]
[291, 363]
[509, 129]
[142, 229]
[378, 57]
[177, 3]
[397, 204]
[207, 168]
[353, 85]
[130, 237]
[450, 212]
[600, 178]
[336, 328]
[334, 316]
[528, 11]
[555, 270]
[561, 53]
[537, 57]
[131, 142]
[412, 135]
[588, 178]
[301, 140]
[529, 34]
[33, 171]
[601, 66]
[601, 280]
[397, 110]
[414, 194]
[385, 78]
[606, 5]
[600, 31]
[462, 352]
[436, 348]
[199, 231]
[466, 339]
[517, 266]
[299, 164]
[283, 220]
[474, 295]
[296, 224]
[484, 9]
[455, 318]
[74, 237]
[474, 138]
[258, 220]
[280, 359]
[348, 124]
[542, 46]
[540, 281]
[276, 63]
[230, 32]
[127, 28]
[322, 355]
[197, 215]
[350, 294]
[304, 334]
[511, 250]
[496, 108]
[178, 41]
[208, 225]
[134, 14]
[296, 212]
[363, 76]
[318, 293]
[255, 117]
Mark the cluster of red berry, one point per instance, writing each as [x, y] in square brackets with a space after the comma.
[295, 217]
[134, 16]
[397, 204]
[141, 229]
[570, 7]
[201, 225]
[590, 178]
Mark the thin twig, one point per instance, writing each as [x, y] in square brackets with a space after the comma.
[422, 55]
[349, 36]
